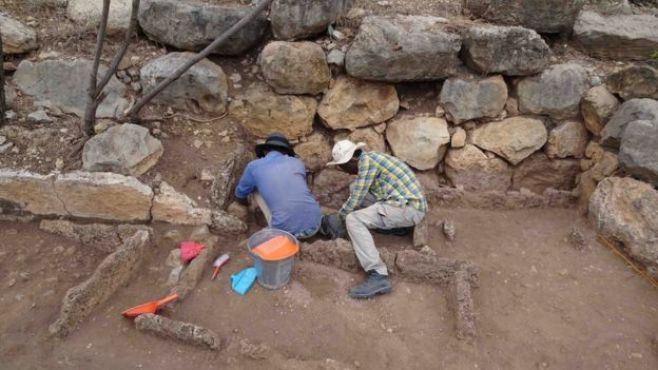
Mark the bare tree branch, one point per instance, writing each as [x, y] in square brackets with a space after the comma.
[90, 110]
[3, 109]
[122, 51]
[133, 113]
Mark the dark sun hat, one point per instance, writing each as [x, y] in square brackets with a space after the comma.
[275, 141]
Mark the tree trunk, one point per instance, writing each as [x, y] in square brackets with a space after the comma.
[134, 111]
[90, 109]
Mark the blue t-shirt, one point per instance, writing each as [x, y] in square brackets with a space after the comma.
[281, 181]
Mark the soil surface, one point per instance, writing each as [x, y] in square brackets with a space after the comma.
[541, 304]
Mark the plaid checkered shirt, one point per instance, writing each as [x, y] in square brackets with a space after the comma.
[388, 179]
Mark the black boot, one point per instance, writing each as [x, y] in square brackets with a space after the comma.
[374, 285]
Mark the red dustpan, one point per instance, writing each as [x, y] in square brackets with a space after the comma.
[149, 307]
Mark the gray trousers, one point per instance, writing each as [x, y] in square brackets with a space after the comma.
[378, 215]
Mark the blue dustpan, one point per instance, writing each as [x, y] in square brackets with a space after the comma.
[243, 280]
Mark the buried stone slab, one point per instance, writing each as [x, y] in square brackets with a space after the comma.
[22, 191]
[192, 274]
[227, 174]
[115, 271]
[463, 305]
[104, 237]
[181, 331]
[127, 149]
[177, 208]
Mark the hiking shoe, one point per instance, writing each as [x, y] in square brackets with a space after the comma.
[400, 231]
[374, 285]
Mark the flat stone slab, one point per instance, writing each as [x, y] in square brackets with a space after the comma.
[104, 237]
[22, 191]
[178, 330]
[115, 271]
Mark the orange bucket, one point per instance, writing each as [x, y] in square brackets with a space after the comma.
[276, 249]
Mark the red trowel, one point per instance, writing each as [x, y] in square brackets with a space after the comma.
[149, 307]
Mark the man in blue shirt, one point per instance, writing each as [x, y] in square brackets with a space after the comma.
[277, 180]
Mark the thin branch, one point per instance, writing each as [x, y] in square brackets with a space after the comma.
[134, 112]
[3, 109]
[90, 111]
[122, 51]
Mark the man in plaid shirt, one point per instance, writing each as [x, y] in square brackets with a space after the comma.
[385, 195]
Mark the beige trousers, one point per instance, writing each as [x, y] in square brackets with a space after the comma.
[377, 216]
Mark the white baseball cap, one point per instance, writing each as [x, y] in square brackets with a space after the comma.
[343, 151]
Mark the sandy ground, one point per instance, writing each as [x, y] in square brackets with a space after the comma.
[541, 304]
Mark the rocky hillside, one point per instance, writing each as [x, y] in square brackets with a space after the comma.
[521, 98]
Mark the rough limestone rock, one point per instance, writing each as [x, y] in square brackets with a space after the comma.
[419, 141]
[427, 267]
[87, 14]
[458, 139]
[106, 196]
[538, 173]
[115, 271]
[619, 37]
[315, 152]
[177, 208]
[127, 149]
[544, 16]
[374, 140]
[229, 170]
[337, 253]
[178, 330]
[512, 51]
[473, 170]
[298, 19]
[17, 38]
[638, 152]
[295, 67]
[10, 96]
[203, 86]
[103, 237]
[353, 103]
[404, 48]
[64, 84]
[226, 223]
[467, 99]
[605, 164]
[192, 26]
[556, 92]
[627, 210]
[261, 111]
[513, 139]
[331, 187]
[629, 111]
[568, 139]
[637, 81]
[29, 192]
[597, 106]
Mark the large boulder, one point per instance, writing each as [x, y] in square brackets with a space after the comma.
[17, 38]
[538, 173]
[126, 149]
[513, 139]
[597, 106]
[373, 139]
[638, 153]
[105, 196]
[474, 170]
[556, 92]
[404, 48]
[419, 141]
[177, 208]
[315, 152]
[297, 19]
[544, 16]
[637, 81]
[627, 210]
[203, 86]
[512, 51]
[87, 14]
[295, 67]
[568, 139]
[625, 37]
[467, 99]
[193, 26]
[262, 111]
[352, 103]
[63, 83]
[631, 110]
[22, 191]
